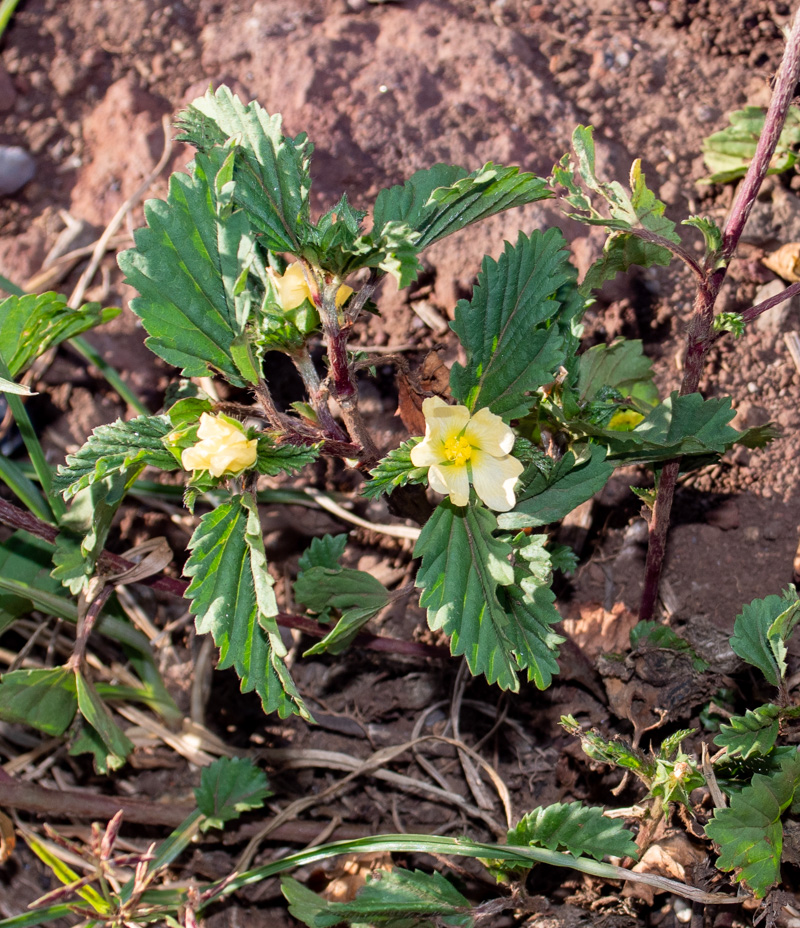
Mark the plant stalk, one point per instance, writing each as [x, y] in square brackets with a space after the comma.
[701, 335]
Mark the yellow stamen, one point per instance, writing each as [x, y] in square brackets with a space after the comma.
[458, 450]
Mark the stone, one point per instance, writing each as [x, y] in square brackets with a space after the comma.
[17, 167]
[773, 321]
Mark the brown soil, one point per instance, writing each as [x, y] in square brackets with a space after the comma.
[383, 89]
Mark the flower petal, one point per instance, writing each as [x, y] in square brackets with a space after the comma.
[489, 433]
[428, 451]
[454, 482]
[293, 290]
[494, 479]
[444, 420]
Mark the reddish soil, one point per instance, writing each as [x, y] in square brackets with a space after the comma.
[384, 88]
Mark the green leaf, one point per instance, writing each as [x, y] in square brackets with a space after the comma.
[680, 426]
[358, 595]
[577, 829]
[639, 209]
[654, 635]
[270, 177]
[43, 699]
[712, 236]
[761, 631]
[85, 527]
[390, 899]
[113, 448]
[621, 365]
[512, 347]
[31, 324]
[616, 752]
[622, 251]
[749, 832]
[276, 457]
[106, 741]
[186, 265]
[461, 570]
[231, 597]
[755, 732]
[548, 498]
[473, 593]
[395, 470]
[28, 560]
[323, 552]
[438, 201]
[728, 153]
[228, 787]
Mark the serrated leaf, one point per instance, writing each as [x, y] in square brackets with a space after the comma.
[749, 832]
[712, 236]
[512, 347]
[114, 448]
[472, 593]
[461, 570]
[271, 179]
[622, 251]
[186, 267]
[85, 527]
[231, 597]
[548, 498]
[728, 153]
[282, 457]
[438, 201]
[755, 732]
[390, 899]
[323, 552]
[761, 630]
[638, 209]
[44, 699]
[228, 787]
[394, 470]
[532, 613]
[616, 752]
[679, 426]
[621, 365]
[31, 324]
[577, 829]
[358, 595]
[106, 740]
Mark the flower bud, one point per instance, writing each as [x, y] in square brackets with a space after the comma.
[223, 449]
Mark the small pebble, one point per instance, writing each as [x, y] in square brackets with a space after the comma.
[16, 168]
[753, 387]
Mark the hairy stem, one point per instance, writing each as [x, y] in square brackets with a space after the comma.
[317, 393]
[342, 381]
[701, 335]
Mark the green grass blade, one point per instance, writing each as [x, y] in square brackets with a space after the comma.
[24, 489]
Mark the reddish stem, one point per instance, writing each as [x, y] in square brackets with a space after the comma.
[19, 519]
[701, 335]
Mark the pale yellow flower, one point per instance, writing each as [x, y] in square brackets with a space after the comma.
[459, 449]
[293, 289]
[223, 448]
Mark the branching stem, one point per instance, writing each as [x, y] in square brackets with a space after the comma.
[701, 335]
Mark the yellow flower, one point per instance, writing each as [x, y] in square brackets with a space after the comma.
[293, 289]
[459, 448]
[625, 420]
[223, 448]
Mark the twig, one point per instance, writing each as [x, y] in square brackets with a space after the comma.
[701, 336]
